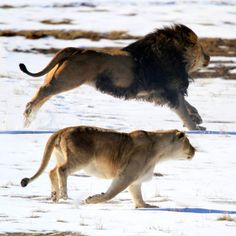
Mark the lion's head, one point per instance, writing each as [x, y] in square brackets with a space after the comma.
[194, 54]
[163, 60]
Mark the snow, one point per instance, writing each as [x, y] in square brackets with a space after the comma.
[205, 184]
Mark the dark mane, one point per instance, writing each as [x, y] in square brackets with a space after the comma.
[159, 61]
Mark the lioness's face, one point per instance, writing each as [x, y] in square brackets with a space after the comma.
[196, 57]
[179, 147]
[184, 149]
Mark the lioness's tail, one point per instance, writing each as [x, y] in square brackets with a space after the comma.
[60, 56]
[46, 157]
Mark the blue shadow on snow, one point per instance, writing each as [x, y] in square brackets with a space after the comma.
[190, 210]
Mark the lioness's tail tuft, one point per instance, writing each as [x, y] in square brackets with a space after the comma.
[22, 67]
[24, 182]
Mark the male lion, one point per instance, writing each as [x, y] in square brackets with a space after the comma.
[154, 68]
[127, 158]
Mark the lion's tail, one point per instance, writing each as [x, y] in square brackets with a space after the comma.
[60, 56]
[46, 157]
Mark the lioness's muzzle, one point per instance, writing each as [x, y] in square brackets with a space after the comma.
[206, 60]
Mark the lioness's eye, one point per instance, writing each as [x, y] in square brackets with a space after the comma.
[180, 135]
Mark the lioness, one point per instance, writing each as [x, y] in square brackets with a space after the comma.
[127, 158]
[154, 68]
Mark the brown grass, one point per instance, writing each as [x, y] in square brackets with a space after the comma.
[225, 217]
[69, 35]
[54, 233]
[56, 22]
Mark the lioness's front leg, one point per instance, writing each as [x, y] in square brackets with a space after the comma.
[136, 193]
[118, 184]
[184, 115]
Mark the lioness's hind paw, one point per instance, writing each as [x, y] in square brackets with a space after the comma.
[54, 196]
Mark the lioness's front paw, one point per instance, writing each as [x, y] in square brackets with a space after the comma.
[146, 206]
[95, 199]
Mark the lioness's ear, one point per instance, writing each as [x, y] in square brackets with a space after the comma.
[180, 134]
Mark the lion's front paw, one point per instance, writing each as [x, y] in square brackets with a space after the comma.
[201, 127]
[196, 118]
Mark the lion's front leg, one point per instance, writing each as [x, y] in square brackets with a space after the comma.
[193, 112]
[182, 112]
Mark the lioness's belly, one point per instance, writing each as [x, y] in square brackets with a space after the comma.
[100, 171]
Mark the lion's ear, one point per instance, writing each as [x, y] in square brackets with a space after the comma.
[193, 38]
[187, 34]
[180, 134]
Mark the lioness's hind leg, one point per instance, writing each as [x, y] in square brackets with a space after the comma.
[54, 184]
[62, 172]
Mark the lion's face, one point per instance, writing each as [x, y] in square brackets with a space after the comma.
[194, 54]
[196, 57]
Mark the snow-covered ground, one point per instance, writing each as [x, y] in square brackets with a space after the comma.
[192, 195]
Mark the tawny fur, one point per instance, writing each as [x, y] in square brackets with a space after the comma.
[155, 69]
[126, 158]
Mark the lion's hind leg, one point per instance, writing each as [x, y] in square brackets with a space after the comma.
[42, 95]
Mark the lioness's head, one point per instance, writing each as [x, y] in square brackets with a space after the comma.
[194, 54]
[174, 145]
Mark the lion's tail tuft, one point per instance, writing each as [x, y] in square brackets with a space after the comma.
[23, 67]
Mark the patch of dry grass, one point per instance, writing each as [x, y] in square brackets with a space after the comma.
[225, 217]
[56, 22]
[54, 233]
[68, 35]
